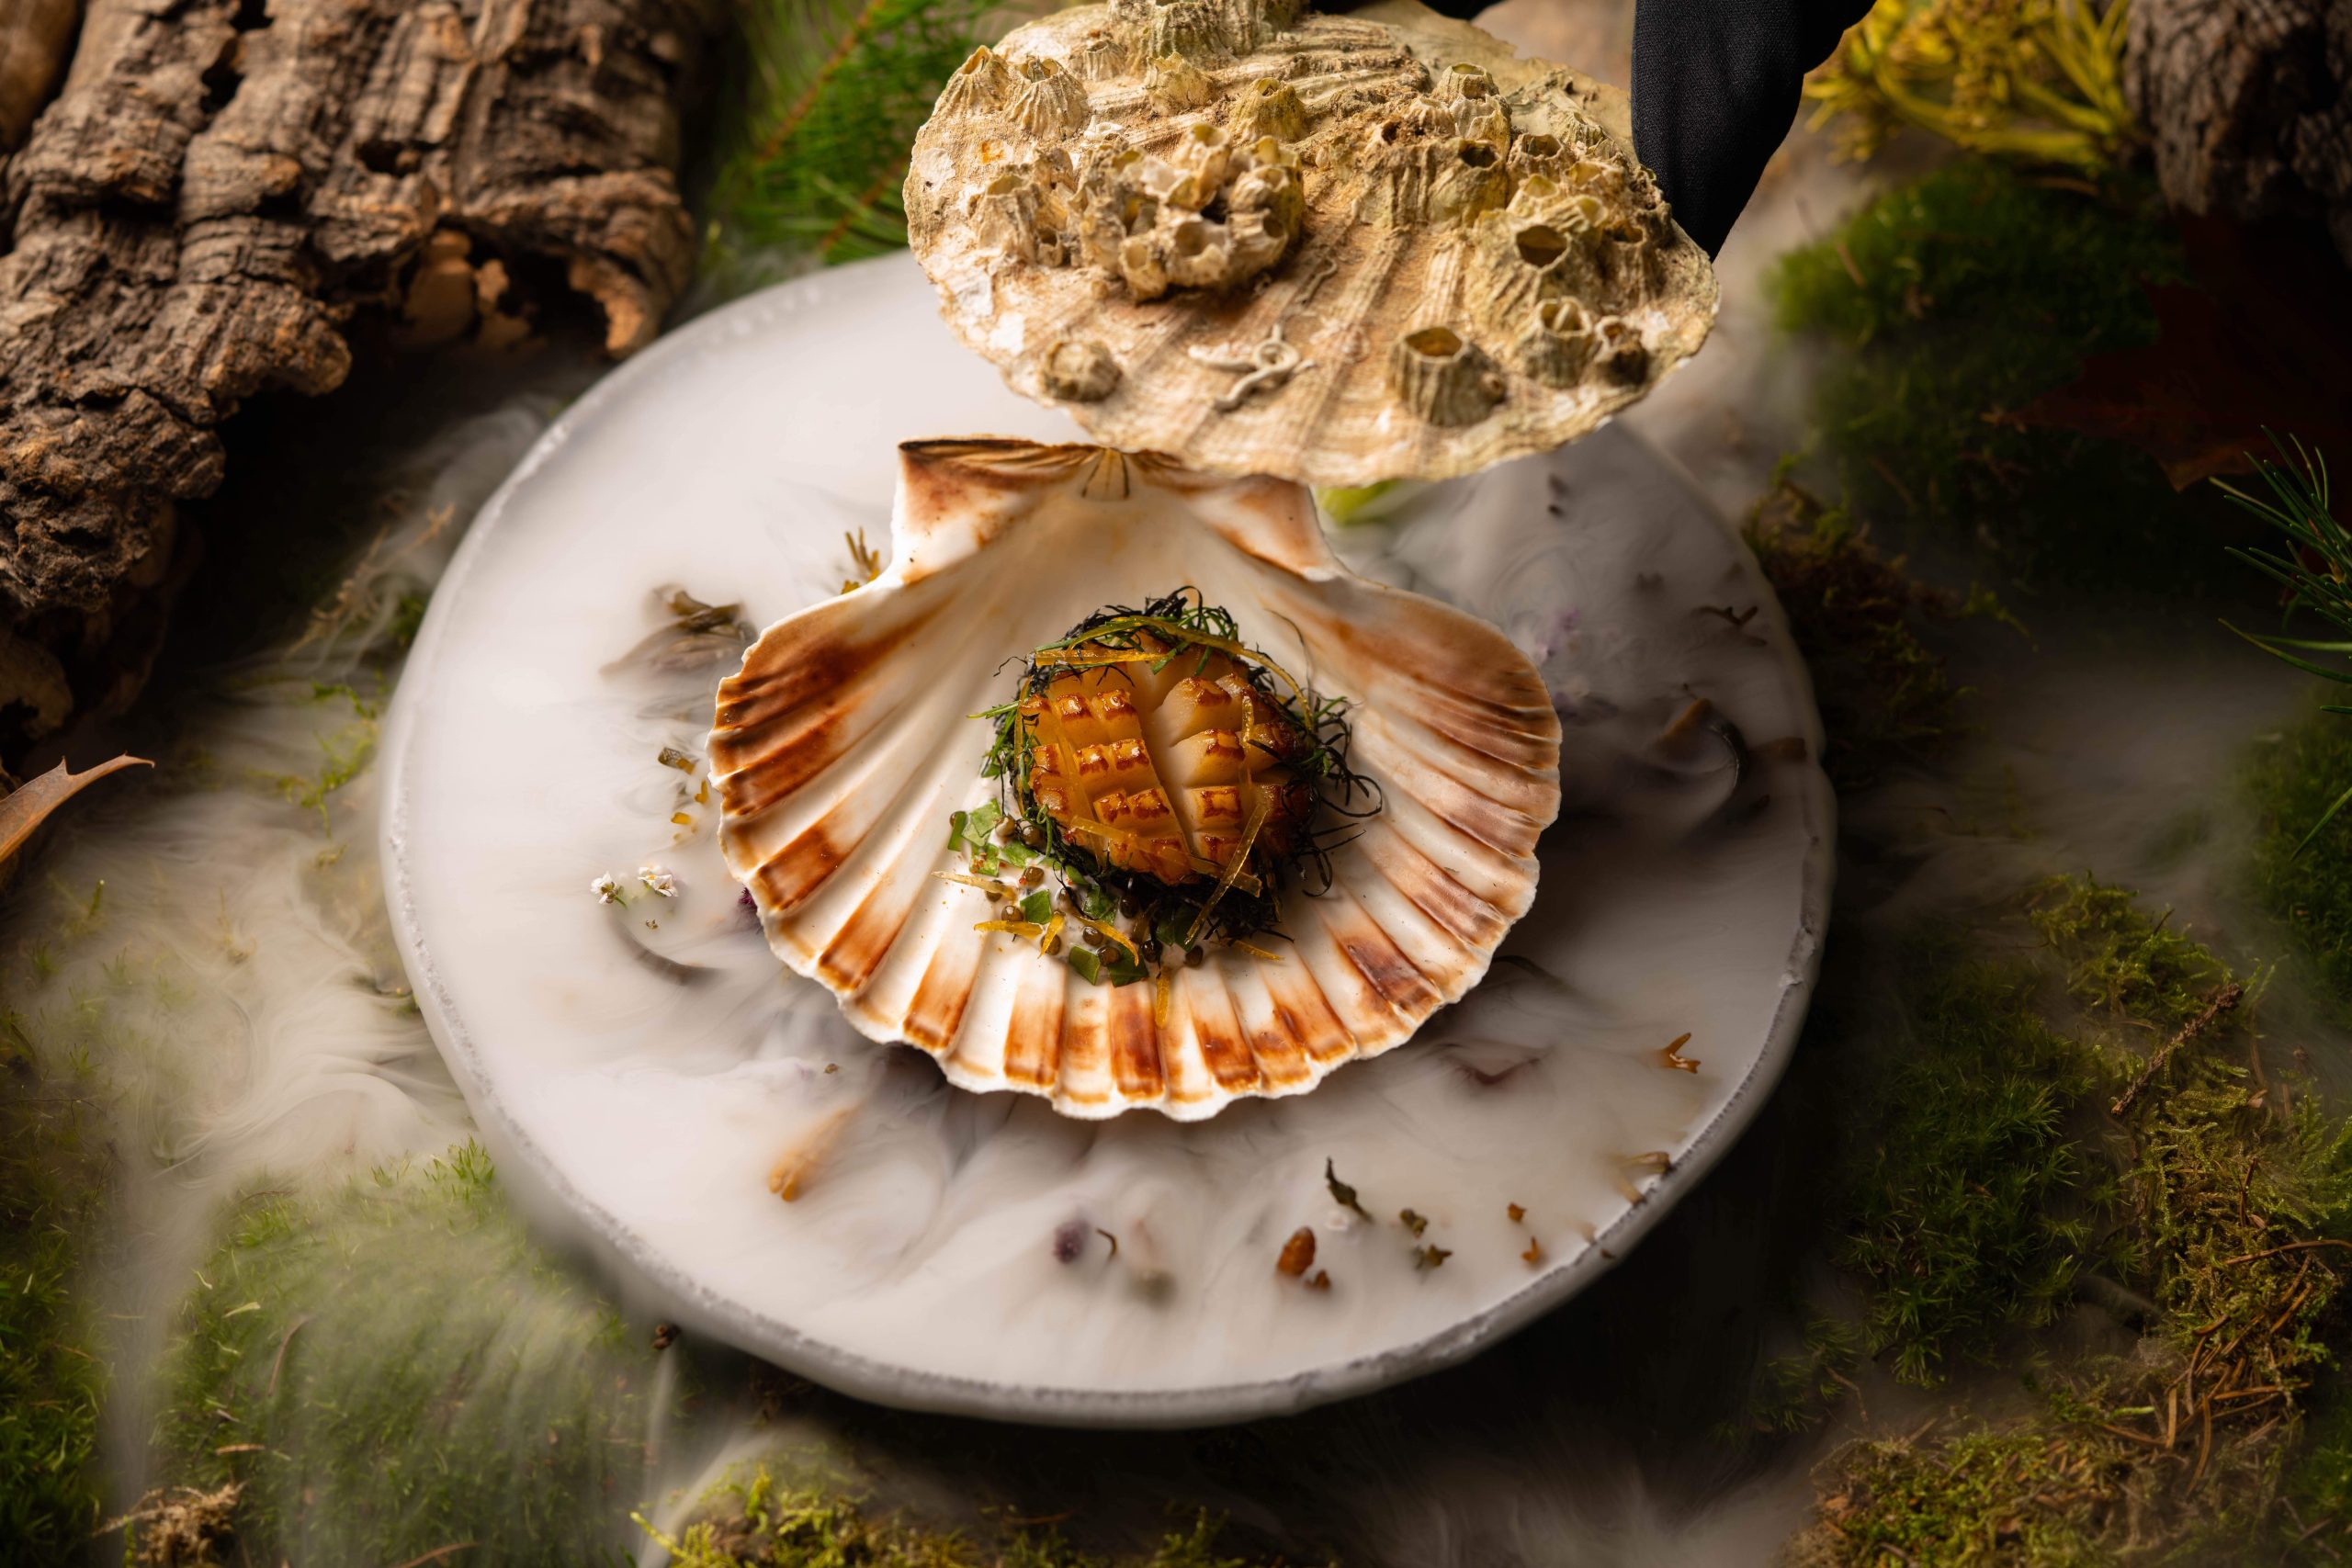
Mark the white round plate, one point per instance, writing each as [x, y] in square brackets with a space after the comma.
[656, 1072]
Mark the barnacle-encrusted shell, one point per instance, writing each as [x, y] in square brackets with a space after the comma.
[1257, 211]
[847, 739]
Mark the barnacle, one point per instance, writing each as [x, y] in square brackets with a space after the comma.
[1189, 177]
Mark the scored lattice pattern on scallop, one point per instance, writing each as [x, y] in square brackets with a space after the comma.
[1163, 766]
[844, 743]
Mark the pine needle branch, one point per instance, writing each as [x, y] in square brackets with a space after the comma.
[838, 89]
[2315, 570]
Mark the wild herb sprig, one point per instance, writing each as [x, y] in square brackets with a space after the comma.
[1153, 916]
[2039, 81]
[2315, 570]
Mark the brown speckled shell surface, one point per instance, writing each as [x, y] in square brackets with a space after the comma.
[848, 738]
[1336, 249]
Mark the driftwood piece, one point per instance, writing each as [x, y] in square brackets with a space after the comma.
[2249, 104]
[219, 185]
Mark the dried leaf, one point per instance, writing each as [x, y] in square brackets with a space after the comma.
[2258, 344]
[31, 806]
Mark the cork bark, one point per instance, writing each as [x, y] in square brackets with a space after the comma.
[219, 187]
[2249, 104]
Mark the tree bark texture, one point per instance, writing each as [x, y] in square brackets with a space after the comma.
[35, 38]
[2249, 105]
[219, 186]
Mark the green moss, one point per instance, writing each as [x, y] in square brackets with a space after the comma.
[396, 1368]
[2207, 1193]
[56, 1168]
[2143, 973]
[1797, 1392]
[752, 1520]
[2236, 1182]
[344, 753]
[408, 615]
[2318, 1484]
[1959, 1501]
[1962, 297]
[2291, 782]
[2055, 1488]
[1963, 1219]
[1885, 696]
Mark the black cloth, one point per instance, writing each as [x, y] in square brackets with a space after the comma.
[1715, 86]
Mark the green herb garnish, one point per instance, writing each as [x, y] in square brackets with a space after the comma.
[1151, 913]
[1341, 1193]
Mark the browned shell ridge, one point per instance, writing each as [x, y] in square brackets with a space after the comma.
[843, 743]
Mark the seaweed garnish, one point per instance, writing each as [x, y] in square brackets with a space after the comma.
[1129, 917]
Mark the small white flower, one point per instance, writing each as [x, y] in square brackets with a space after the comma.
[659, 879]
[607, 889]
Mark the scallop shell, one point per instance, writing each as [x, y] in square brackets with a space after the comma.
[847, 739]
[1334, 249]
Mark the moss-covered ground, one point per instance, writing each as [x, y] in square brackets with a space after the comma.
[753, 1521]
[2087, 1123]
[2291, 784]
[1949, 304]
[55, 1165]
[1864, 625]
[394, 1367]
[2079, 1188]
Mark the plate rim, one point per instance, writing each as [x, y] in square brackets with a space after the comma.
[689, 1301]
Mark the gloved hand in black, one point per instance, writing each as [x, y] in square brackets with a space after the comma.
[1715, 89]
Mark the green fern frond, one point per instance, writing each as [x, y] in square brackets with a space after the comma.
[838, 89]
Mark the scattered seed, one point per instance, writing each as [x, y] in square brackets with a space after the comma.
[1517, 1213]
[1299, 1253]
[1412, 1222]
